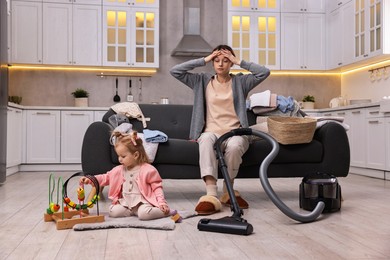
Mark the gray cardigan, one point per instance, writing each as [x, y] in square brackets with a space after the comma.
[241, 85]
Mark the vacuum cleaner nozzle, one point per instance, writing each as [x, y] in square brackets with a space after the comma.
[230, 225]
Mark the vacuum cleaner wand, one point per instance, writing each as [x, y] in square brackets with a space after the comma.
[234, 224]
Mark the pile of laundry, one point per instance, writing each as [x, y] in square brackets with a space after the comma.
[267, 104]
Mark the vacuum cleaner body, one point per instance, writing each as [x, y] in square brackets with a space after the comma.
[317, 187]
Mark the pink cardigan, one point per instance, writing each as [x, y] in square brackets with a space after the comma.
[149, 182]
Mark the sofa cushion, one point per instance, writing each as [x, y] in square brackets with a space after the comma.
[178, 151]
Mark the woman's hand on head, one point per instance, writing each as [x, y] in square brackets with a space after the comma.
[212, 56]
[230, 56]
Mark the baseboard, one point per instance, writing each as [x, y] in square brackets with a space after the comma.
[49, 167]
[368, 172]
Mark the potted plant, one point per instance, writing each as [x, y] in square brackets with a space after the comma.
[308, 102]
[80, 97]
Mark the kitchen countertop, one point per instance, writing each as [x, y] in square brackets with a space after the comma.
[317, 110]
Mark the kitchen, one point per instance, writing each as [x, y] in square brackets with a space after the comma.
[52, 85]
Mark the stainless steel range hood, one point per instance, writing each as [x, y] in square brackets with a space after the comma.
[192, 44]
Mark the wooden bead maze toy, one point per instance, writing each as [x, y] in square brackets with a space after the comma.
[73, 213]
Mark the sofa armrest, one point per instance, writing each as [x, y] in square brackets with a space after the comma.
[336, 152]
[96, 150]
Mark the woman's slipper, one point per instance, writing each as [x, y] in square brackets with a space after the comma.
[225, 200]
[208, 205]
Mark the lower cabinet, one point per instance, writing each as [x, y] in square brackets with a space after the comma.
[56, 136]
[14, 136]
[43, 136]
[73, 127]
[356, 120]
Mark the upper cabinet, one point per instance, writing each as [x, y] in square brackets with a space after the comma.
[340, 40]
[79, 42]
[138, 3]
[254, 33]
[303, 41]
[371, 36]
[254, 5]
[297, 6]
[92, 32]
[26, 32]
[130, 36]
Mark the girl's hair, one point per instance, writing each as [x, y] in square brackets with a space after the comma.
[224, 47]
[133, 143]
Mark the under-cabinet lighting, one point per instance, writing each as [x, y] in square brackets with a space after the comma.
[294, 73]
[382, 63]
[130, 72]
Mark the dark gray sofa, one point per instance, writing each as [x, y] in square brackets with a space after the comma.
[178, 158]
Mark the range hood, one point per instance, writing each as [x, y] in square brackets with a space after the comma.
[192, 44]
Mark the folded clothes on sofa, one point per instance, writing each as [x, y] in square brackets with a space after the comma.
[155, 136]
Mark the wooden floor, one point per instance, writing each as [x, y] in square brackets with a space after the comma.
[360, 231]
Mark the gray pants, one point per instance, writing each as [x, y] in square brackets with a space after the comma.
[233, 149]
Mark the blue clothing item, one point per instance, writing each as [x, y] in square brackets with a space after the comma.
[155, 136]
[285, 103]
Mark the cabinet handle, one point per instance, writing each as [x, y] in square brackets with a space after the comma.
[77, 114]
[355, 112]
[340, 63]
[43, 113]
[327, 114]
[373, 122]
[373, 112]
[341, 114]
[340, 3]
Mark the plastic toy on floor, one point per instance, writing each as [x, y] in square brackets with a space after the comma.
[72, 213]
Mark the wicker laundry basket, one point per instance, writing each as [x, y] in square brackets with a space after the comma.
[291, 130]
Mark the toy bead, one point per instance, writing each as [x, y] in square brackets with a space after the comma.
[48, 211]
[80, 194]
[66, 209]
[66, 200]
[55, 207]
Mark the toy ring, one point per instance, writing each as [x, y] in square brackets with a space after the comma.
[90, 203]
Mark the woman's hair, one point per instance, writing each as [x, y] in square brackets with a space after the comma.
[133, 143]
[224, 47]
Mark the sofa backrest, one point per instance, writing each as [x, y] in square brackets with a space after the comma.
[173, 120]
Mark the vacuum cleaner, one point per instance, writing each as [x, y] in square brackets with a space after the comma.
[235, 224]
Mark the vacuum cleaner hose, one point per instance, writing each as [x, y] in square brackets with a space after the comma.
[304, 218]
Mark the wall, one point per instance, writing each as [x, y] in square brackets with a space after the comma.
[358, 85]
[53, 88]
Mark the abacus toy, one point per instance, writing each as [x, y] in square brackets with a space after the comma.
[68, 217]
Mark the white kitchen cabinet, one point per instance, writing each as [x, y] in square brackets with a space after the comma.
[340, 36]
[312, 6]
[254, 36]
[376, 147]
[43, 136]
[73, 127]
[356, 120]
[79, 42]
[332, 5]
[387, 138]
[138, 3]
[14, 136]
[372, 34]
[302, 41]
[130, 37]
[26, 32]
[98, 115]
[254, 5]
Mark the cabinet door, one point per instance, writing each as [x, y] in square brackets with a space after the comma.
[14, 136]
[255, 37]
[254, 5]
[42, 136]
[311, 6]
[73, 127]
[376, 147]
[98, 115]
[138, 3]
[357, 136]
[26, 32]
[341, 37]
[314, 42]
[87, 35]
[57, 33]
[130, 37]
[292, 41]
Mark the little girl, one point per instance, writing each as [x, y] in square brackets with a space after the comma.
[135, 185]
